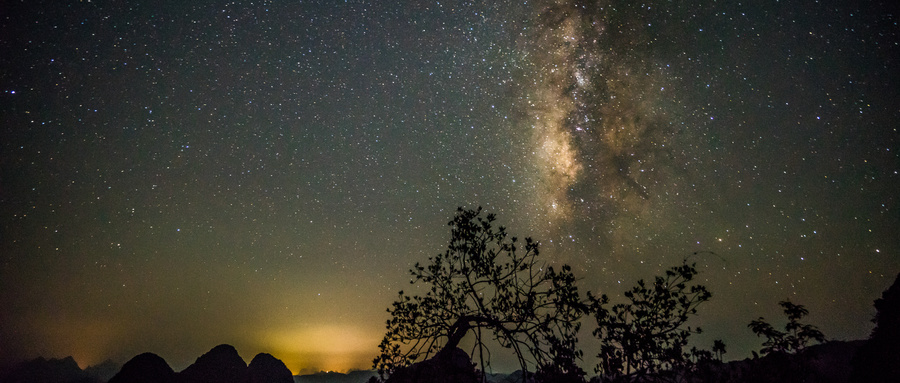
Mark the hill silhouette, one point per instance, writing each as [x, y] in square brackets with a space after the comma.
[42, 370]
[221, 364]
[265, 368]
[103, 371]
[65, 370]
[145, 368]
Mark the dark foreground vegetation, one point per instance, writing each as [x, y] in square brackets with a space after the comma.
[491, 288]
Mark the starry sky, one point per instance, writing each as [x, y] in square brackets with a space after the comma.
[177, 175]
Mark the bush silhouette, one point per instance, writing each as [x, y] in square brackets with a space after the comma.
[645, 339]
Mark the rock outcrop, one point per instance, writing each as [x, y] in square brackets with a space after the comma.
[447, 366]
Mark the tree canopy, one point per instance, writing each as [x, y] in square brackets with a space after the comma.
[645, 338]
[490, 285]
[795, 337]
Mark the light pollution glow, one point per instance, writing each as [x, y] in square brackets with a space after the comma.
[338, 348]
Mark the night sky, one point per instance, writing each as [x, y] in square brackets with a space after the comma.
[175, 176]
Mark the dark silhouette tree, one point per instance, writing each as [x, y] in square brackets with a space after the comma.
[887, 313]
[878, 360]
[701, 366]
[488, 286]
[719, 349]
[795, 337]
[645, 339]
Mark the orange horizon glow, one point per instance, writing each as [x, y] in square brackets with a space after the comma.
[338, 348]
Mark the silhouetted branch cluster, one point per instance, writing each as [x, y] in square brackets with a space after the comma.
[645, 338]
[487, 285]
[795, 337]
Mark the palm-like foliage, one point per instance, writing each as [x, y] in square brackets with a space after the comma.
[795, 337]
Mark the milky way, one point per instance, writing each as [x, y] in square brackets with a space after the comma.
[599, 122]
[550, 107]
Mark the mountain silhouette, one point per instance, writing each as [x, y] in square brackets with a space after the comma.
[103, 372]
[355, 376]
[265, 368]
[42, 370]
[222, 364]
[145, 368]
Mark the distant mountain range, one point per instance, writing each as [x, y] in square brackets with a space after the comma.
[336, 377]
[64, 370]
[826, 363]
[222, 364]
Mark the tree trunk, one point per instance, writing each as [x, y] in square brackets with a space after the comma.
[457, 332]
